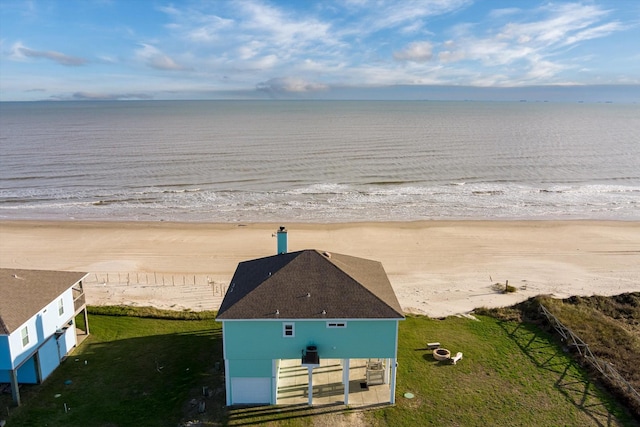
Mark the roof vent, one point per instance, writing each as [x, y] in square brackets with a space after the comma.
[308, 294]
[327, 254]
[324, 312]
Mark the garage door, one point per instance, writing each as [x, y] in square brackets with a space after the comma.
[250, 390]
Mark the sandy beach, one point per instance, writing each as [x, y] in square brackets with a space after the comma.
[437, 268]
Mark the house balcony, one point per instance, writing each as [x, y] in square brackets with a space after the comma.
[79, 300]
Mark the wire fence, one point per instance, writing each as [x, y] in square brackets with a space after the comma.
[605, 368]
[156, 279]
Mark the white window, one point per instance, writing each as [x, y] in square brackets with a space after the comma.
[288, 330]
[25, 336]
[336, 324]
[60, 307]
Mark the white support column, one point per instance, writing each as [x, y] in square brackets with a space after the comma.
[227, 378]
[345, 379]
[227, 382]
[310, 392]
[387, 370]
[392, 387]
[86, 320]
[275, 373]
[393, 362]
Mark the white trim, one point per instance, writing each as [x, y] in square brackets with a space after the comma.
[61, 306]
[24, 334]
[336, 325]
[288, 327]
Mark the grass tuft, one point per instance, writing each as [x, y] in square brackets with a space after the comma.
[150, 312]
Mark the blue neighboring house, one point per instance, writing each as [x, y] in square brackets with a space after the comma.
[305, 305]
[37, 323]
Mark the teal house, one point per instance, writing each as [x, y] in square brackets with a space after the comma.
[305, 306]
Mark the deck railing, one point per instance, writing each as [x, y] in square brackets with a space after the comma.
[78, 298]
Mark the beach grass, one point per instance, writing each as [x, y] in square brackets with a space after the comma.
[151, 372]
[611, 327]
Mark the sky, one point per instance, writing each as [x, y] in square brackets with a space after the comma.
[294, 49]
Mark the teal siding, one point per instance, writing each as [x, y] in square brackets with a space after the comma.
[49, 358]
[27, 374]
[250, 368]
[5, 353]
[250, 340]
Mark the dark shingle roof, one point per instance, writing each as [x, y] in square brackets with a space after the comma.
[23, 293]
[301, 285]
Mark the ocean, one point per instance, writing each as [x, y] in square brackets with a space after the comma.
[318, 161]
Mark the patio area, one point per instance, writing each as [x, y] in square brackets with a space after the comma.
[327, 384]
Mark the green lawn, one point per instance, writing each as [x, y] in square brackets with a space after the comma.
[138, 372]
[511, 374]
[146, 372]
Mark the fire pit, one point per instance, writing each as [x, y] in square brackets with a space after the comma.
[441, 354]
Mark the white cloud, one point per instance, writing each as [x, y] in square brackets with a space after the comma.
[265, 62]
[501, 13]
[447, 56]
[250, 50]
[542, 69]
[288, 85]
[562, 22]
[154, 58]
[593, 33]
[284, 31]
[20, 52]
[416, 52]
[195, 25]
[526, 51]
[97, 96]
[210, 30]
[385, 14]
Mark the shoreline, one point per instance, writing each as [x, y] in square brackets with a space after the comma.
[436, 267]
